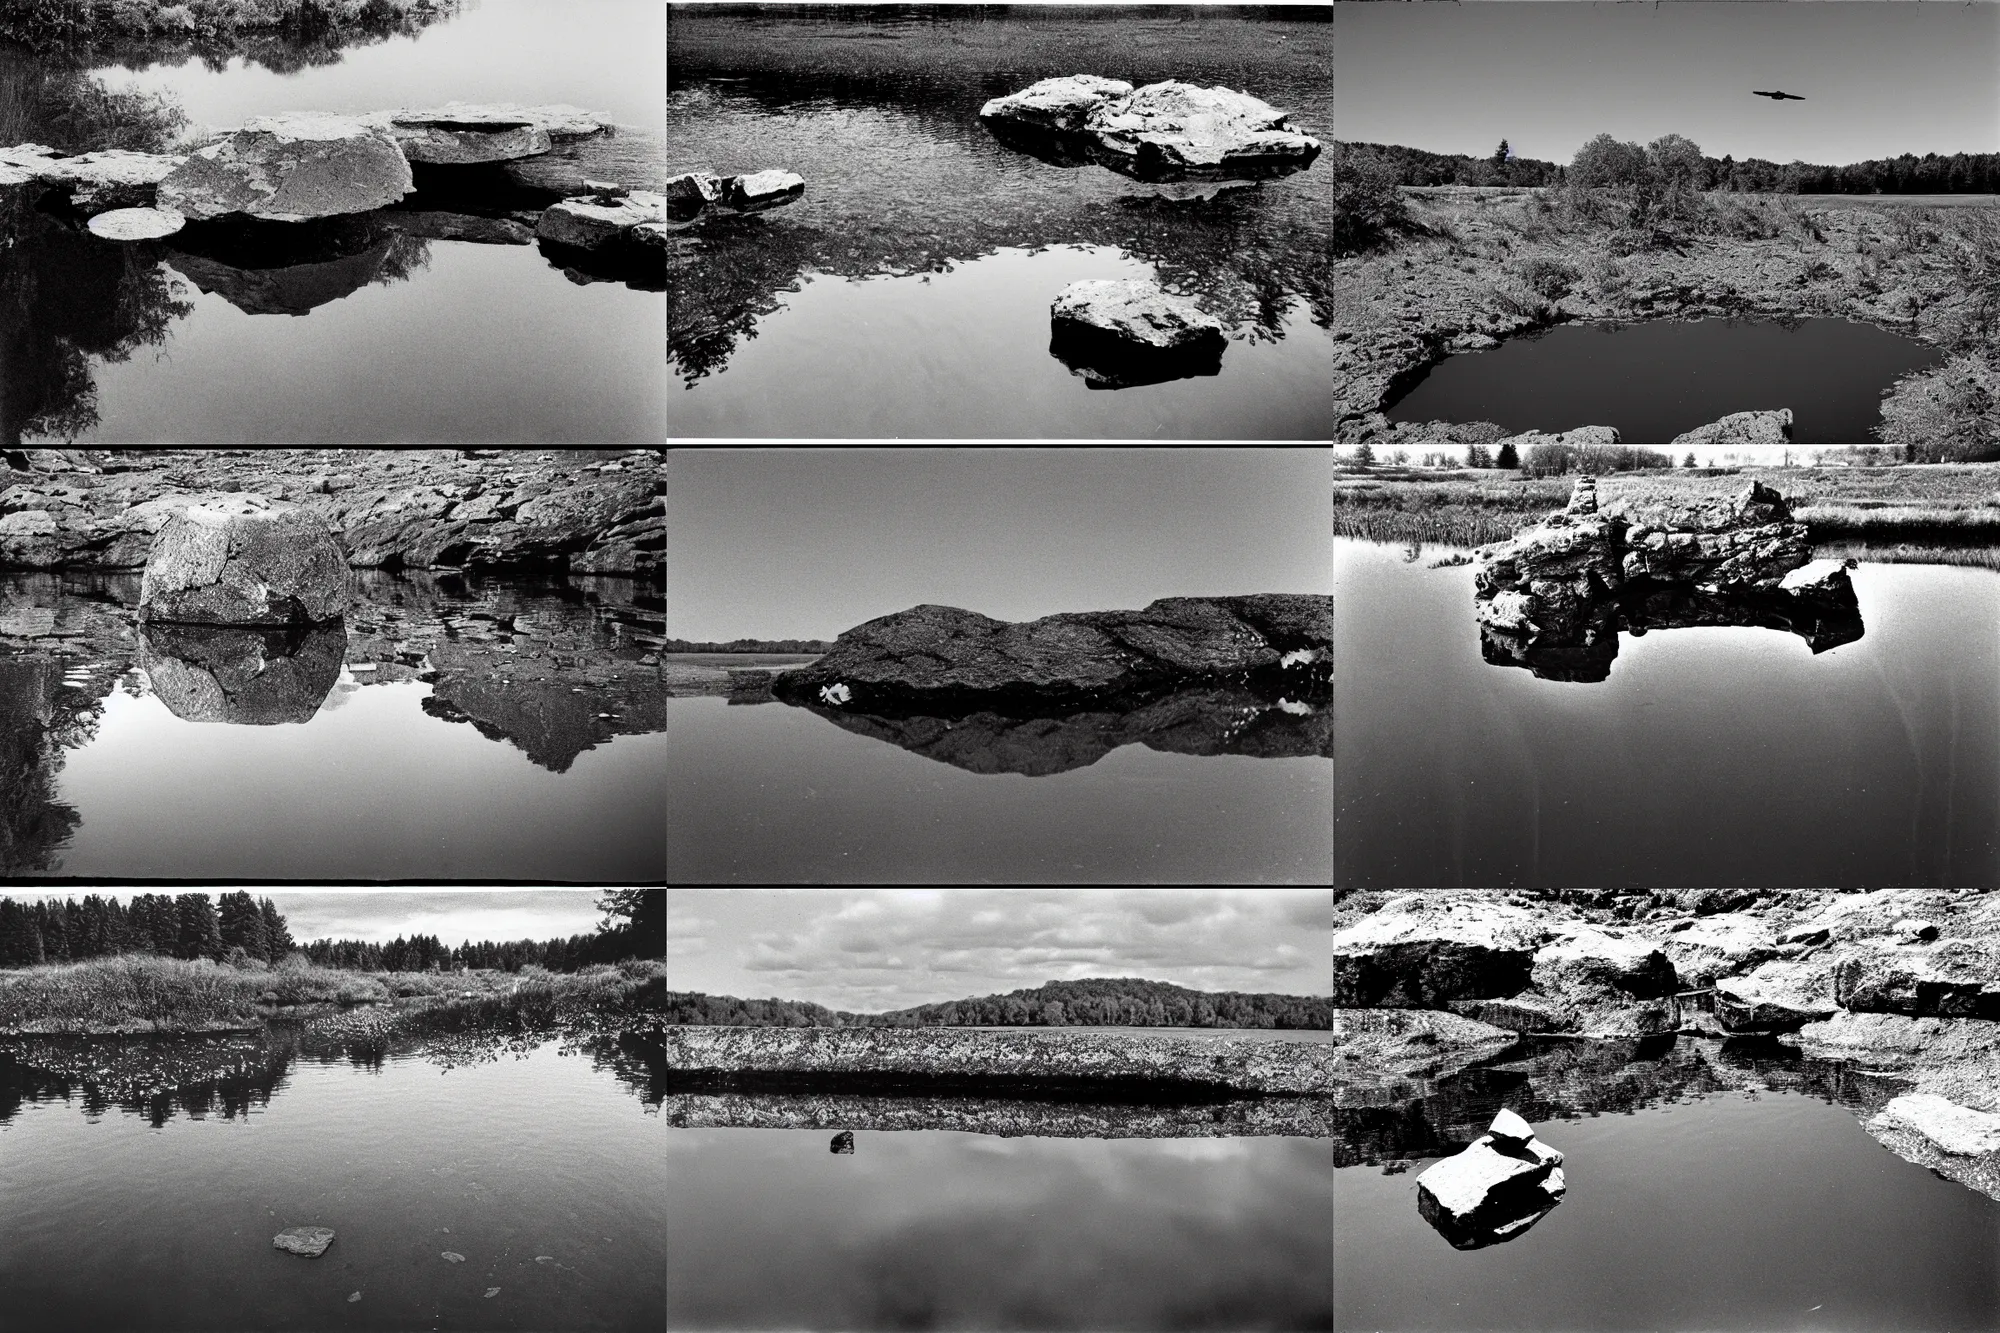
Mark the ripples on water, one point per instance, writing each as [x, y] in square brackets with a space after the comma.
[970, 240]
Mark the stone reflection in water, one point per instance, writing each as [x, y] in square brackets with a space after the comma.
[235, 1075]
[249, 677]
[293, 268]
[1584, 652]
[1215, 720]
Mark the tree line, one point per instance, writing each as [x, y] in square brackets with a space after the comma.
[750, 646]
[186, 925]
[1954, 173]
[1097, 1002]
[237, 927]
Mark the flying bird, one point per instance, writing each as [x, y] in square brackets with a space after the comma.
[1777, 97]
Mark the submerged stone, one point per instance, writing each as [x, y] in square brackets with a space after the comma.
[761, 189]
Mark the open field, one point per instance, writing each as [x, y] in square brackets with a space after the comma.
[1956, 503]
[1444, 192]
[142, 993]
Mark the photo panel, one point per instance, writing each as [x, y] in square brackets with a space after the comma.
[874, 1094]
[1671, 353]
[370, 1108]
[1041, 221]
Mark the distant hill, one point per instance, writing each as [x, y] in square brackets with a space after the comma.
[1097, 1002]
[751, 646]
[1957, 173]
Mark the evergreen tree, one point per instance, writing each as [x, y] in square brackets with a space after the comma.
[1689, 460]
[1364, 454]
[277, 937]
[20, 938]
[1501, 154]
[199, 935]
[242, 924]
[1507, 457]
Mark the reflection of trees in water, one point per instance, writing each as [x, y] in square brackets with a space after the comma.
[936, 188]
[40, 716]
[311, 34]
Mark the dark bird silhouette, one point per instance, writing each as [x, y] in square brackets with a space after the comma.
[1777, 97]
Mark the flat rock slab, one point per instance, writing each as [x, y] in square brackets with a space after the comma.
[1162, 131]
[759, 190]
[308, 1242]
[588, 223]
[291, 169]
[26, 162]
[1770, 427]
[136, 224]
[1137, 313]
[112, 179]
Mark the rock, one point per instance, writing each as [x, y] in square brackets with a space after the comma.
[1957, 1058]
[1770, 427]
[843, 1142]
[1136, 314]
[1779, 996]
[1559, 569]
[112, 179]
[1579, 437]
[1375, 1049]
[606, 189]
[308, 1242]
[1955, 1129]
[1423, 950]
[27, 163]
[1162, 132]
[835, 694]
[1948, 978]
[1509, 1132]
[1582, 497]
[491, 1292]
[451, 1258]
[760, 190]
[586, 224]
[291, 168]
[649, 236]
[935, 656]
[136, 224]
[1608, 985]
[461, 134]
[691, 192]
[244, 677]
[1063, 103]
[268, 997]
[1719, 946]
[244, 561]
[1494, 1190]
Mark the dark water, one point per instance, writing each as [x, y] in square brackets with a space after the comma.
[1717, 756]
[1707, 1189]
[183, 1158]
[908, 292]
[777, 794]
[365, 330]
[1654, 381]
[449, 728]
[944, 1229]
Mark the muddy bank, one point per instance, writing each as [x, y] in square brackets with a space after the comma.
[1048, 1062]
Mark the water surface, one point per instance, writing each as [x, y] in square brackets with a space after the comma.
[1715, 756]
[1656, 380]
[777, 794]
[946, 247]
[542, 1168]
[448, 728]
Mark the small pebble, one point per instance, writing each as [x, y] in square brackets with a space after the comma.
[451, 1258]
[491, 1292]
[355, 1297]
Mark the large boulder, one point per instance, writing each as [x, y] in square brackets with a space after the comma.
[291, 168]
[939, 655]
[1770, 427]
[1422, 950]
[1751, 541]
[1500, 1185]
[245, 560]
[1779, 996]
[1121, 332]
[1921, 977]
[26, 164]
[1162, 132]
[1548, 577]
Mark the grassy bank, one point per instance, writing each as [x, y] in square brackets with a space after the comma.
[1957, 504]
[140, 993]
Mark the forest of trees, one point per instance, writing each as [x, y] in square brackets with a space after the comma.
[1958, 173]
[190, 925]
[1098, 1002]
[750, 646]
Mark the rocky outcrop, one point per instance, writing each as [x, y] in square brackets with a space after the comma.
[290, 169]
[941, 657]
[1378, 1049]
[1743, 428]
[1606, 982]
[1779, 996]
[244, 560]
[1717, 946]
[1027, 1060]
[136, 224]
[390, 508]
[1576, 437]
[594, 221]
[1423, 950]
[1503, 1183]
[1953, 1141]
[1120, 332]
[1161, 132]
[243, 677]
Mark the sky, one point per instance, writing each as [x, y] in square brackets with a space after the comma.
[870, 950]
[1879, 78]
[455, 916]
[806, 543]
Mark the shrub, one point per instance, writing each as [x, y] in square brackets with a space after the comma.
[1547, 275]
[1949, 414]
[1368, 204]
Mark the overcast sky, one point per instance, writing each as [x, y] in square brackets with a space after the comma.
[806, 543]
[1879, 78]
[455, 916]
[870, 950]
